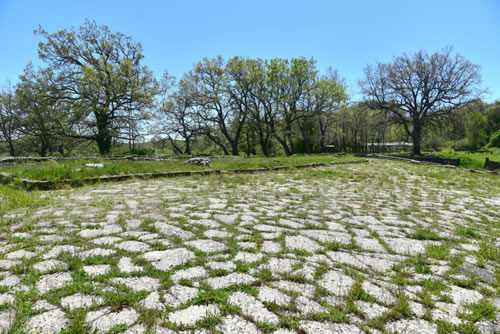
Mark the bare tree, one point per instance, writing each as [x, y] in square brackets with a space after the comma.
[420, 89]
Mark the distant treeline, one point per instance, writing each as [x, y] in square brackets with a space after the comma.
[95, 94]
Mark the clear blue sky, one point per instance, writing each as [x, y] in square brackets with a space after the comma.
[346, 35]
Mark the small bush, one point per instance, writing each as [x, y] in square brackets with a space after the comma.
[495, 139]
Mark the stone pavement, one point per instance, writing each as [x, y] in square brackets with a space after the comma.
[381, 247]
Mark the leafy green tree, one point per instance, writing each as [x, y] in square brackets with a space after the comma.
[495, 139]
[421, 89]
[9, 117]
[477, 124]
[102, 80]
[40, 113]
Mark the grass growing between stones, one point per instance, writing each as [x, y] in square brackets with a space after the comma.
[380, 247]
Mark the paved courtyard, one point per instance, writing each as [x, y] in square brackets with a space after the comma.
[365, 248]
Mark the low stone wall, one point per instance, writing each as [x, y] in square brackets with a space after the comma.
[55, 184]
[491, 165]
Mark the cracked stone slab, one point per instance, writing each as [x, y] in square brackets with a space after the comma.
[231, 279]
[192, 314]
[7, 264]
[57, 250]
[7, 298]
[179, 294]
[50, 265]
[207, 245]
[337, 283]
[43, 305]
[371, 310]
[142, 283]
[79, 300]
[301, 288]
[164, 260]
[125, 265]
[301, 243]
[134, 246]
[167, 229]
[252, 308]
[106, 241]
[270, 295]
[97, 269]
[104, 319]
[381, 294]
[235, 324]
[247, 257]
[217, 234]
[106, 230]
[47, 322]
[20, 254]
[279, 265]
[153, 302]
[313, 327]
[417, 326]
[464, 296]
[7, 319]
[97, 252]
[53, 281]
[271, 247]
[307, 306]
[190, 273]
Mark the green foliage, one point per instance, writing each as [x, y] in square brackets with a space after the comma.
[495, 139]
[476, 129]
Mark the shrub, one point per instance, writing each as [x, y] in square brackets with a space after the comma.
[495, 139]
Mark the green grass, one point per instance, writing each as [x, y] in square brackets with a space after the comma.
[471, 159]
[12, 198]
[467, 159]
[76, 169]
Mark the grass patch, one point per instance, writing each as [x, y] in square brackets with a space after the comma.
[77, 169]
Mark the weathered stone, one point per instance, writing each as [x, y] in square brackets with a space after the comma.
[337, 283]
[142, 283]
[179, 295]
[104, 319]
[97, 269]
[164, 260]
[235, 324]
[48, 322]
[231, 279]
[125, 265]
[50, 265]
[80, 301]
[313, 327]
[207, 245]
[53, 281]
[134, 246]
[7, 319]
[252, 308]
[417, 326]
[198, 162]
[192, 314]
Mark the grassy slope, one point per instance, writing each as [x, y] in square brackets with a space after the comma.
[467, 159]
[76, 169]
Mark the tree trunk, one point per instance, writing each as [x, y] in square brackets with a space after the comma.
[103, 137]
[11, 149]
[234, 148]
[283, 143]
[416, 136]
[187, 150]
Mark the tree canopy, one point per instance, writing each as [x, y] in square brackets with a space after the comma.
[421, 89]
